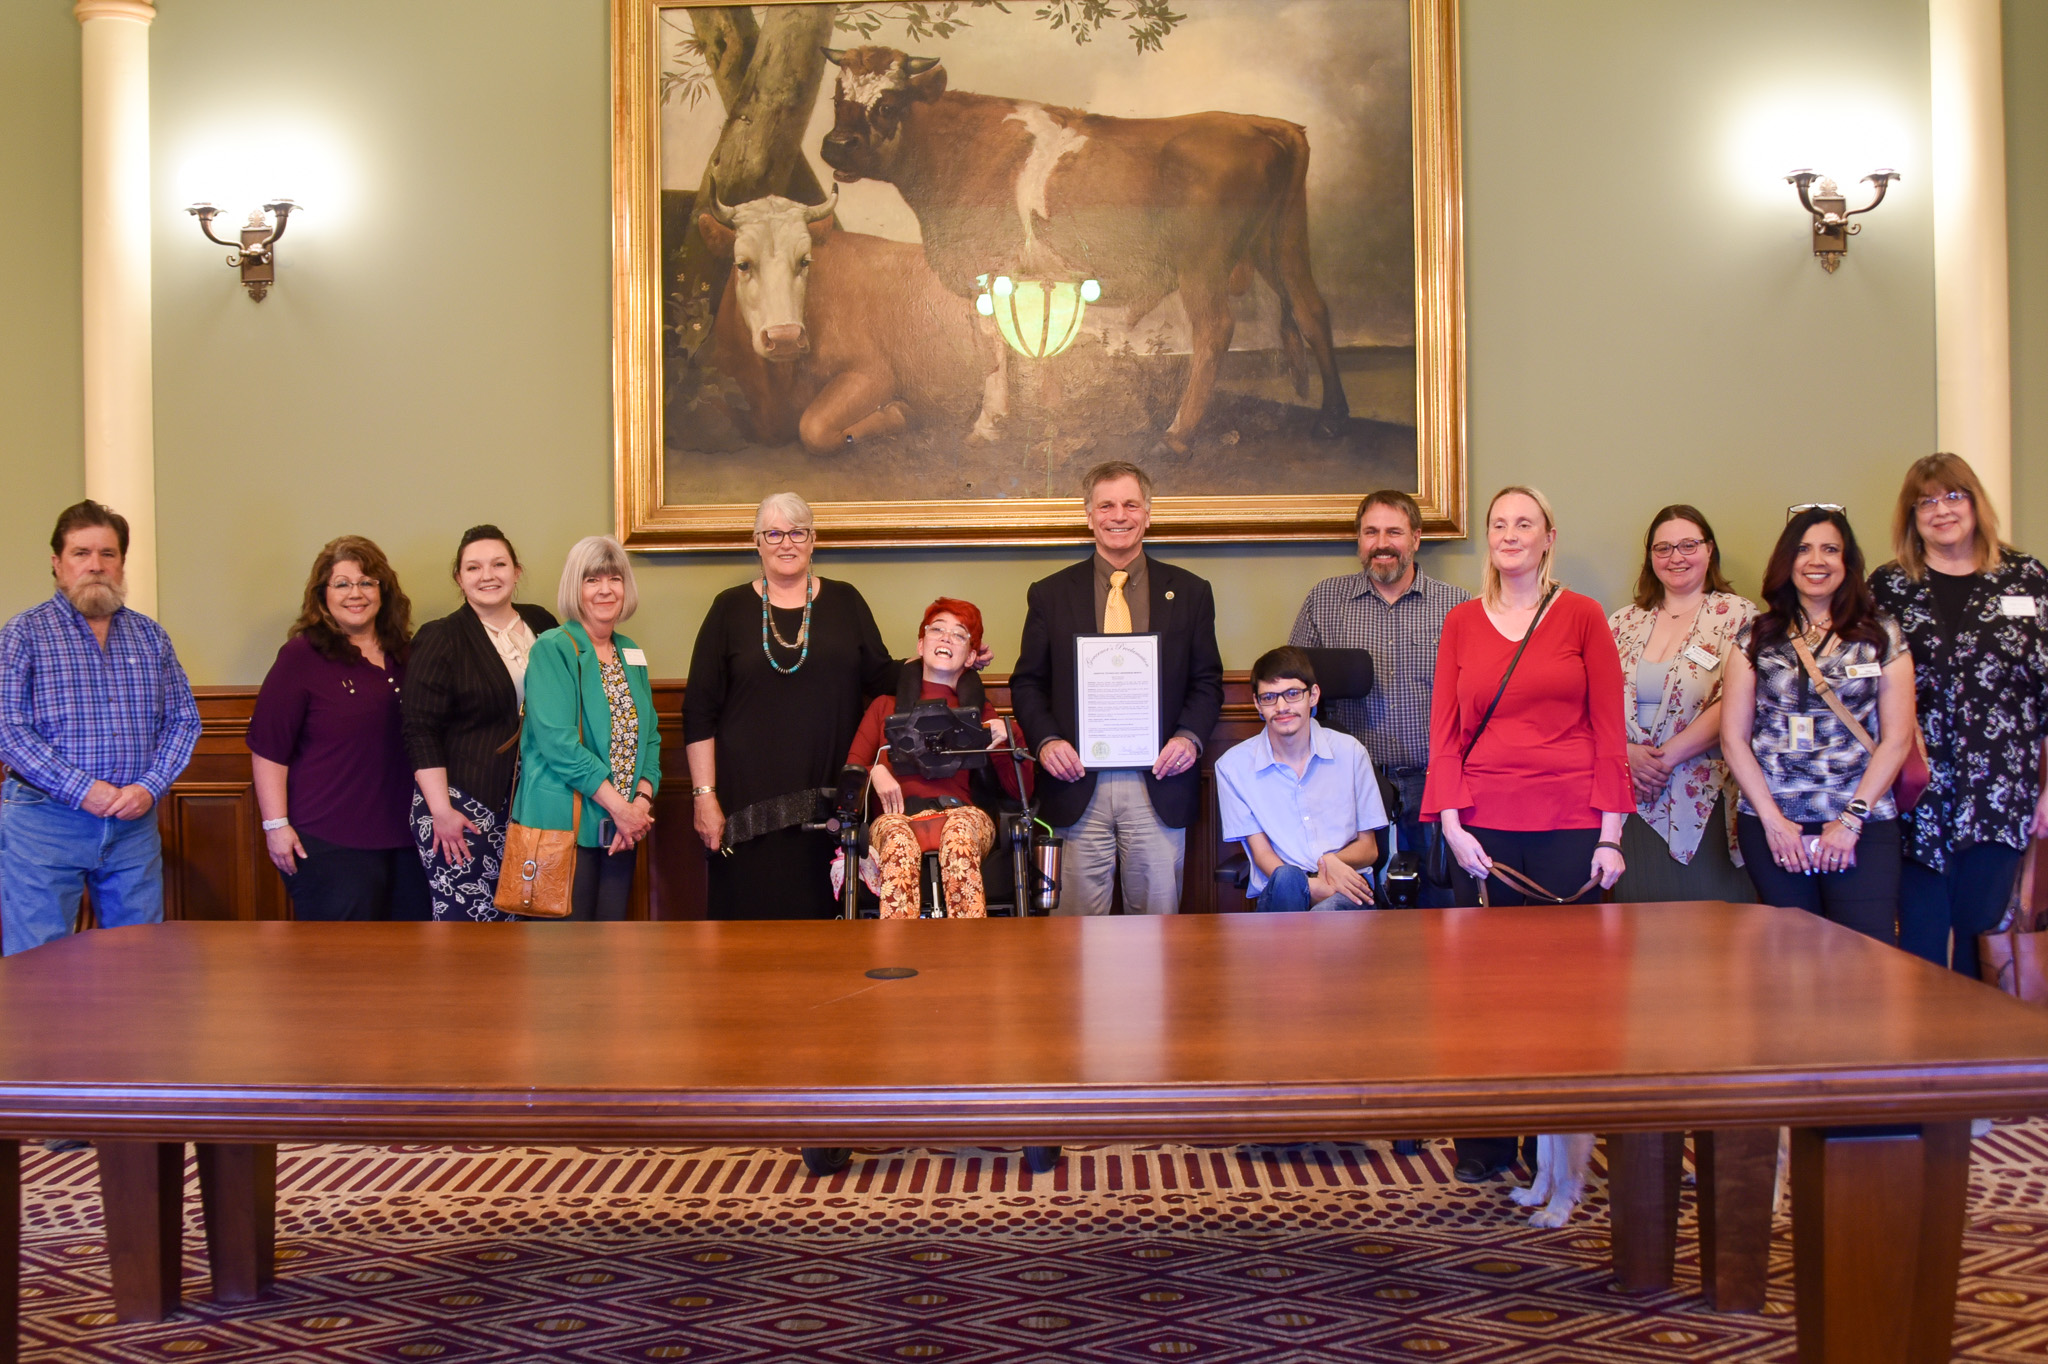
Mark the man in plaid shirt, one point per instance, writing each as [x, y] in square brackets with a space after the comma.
[1395, 612]
[96, 721]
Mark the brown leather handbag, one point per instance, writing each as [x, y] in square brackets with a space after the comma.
[538, 872]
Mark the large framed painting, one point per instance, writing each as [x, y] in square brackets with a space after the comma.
[925, 263]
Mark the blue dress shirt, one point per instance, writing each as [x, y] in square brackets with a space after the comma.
[1333, 801]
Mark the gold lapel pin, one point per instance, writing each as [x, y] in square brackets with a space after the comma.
[1169, 594]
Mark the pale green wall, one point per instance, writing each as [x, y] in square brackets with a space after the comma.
[1645, 326]
[41, 415]
[2026, 160]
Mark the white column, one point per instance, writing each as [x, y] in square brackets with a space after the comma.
[120, 449]
[1972, 331]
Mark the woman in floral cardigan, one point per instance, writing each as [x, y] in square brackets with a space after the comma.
[1673, 638]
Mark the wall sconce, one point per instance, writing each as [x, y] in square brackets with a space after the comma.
[1831, 226]
[254, 254]
[1039, 318]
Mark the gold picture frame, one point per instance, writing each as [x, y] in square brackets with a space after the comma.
[647, 521]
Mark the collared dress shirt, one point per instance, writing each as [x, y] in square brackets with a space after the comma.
[72, 713]
[1349, 613]
[1333, 801]
[1137, 592]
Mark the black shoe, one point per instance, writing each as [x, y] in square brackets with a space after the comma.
[1408, 1146]
[1473, 1170]
[59, 1145]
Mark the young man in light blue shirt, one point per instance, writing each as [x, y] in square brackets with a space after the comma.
[1301, 798]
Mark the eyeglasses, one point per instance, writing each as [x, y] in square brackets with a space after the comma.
[958, 636]
[1799, 507]
[346, 584]
[800, 536]
[1664, 549]
[1266, 700]
[1954, 497]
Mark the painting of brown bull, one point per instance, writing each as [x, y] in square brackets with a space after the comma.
[1148, 206]
[835, 338]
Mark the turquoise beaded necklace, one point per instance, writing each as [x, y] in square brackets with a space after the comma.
[802, 642]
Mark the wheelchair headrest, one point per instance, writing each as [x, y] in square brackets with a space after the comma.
[1343, 674]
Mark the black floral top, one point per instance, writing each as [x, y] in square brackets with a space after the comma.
[1983, 699]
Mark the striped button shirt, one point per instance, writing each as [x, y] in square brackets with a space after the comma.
[72, 713]
[1348, 613]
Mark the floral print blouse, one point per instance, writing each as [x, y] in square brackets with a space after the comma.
[625, 724]
[1679, 813]
[1983, 700]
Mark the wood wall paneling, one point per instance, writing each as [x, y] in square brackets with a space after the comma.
[215, 866]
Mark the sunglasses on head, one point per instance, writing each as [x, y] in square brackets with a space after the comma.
[1798, 507]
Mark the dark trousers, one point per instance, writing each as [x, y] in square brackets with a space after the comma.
[604, 885]
[1865, 897]
[1969, 898]
[358, 885]
[1556, 859]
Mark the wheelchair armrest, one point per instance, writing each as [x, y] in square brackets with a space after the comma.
[1235, 872]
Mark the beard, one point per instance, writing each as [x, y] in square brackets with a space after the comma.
[1383, 571]
[97, 598]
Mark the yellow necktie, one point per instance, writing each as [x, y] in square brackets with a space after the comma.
[1116, 612]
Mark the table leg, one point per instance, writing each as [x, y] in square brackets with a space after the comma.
[1642, 1198]
[238, 1193]
[1877, 1227]
[1738, 1178]
[10, 1251]
[142, 1196]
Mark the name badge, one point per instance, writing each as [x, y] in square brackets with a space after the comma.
[2018, 606]
[1802, 734]
[1860, 670]
[1703, 657]
[634, 657]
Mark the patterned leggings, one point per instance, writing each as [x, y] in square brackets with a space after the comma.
[964, 839]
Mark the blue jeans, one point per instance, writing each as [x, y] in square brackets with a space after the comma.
[50, 853]
[1287, 892]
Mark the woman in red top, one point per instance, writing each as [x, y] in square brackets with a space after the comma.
[922, 815]
[1545, 789]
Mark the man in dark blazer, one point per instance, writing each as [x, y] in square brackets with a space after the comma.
[1127, 815]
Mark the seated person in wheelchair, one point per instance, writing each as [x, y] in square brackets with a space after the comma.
[937, 813]
[1302, 799]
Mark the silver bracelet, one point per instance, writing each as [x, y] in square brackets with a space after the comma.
[273, 825]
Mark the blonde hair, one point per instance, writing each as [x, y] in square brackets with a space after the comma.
[1490, 576]
[594, 556]
[794, 510]
[1942, 473]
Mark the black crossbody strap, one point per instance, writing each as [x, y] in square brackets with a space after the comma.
[1541, 607]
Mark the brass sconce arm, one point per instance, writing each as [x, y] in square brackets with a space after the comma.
[253, 254]
[1831, 213]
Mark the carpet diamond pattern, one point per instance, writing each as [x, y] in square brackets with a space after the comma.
[1339, 1252]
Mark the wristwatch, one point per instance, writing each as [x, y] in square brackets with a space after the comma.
[703, 791]
[1858, 807]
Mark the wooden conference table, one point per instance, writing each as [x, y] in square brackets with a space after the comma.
[1619, 1019]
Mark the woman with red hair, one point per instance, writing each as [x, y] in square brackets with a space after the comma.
[919, 814]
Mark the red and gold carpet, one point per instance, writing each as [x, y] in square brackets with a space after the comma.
[1326, 1252]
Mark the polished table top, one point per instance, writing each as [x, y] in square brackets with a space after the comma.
[1224, 1027]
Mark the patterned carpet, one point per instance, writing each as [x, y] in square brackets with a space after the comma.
[1326, 1252]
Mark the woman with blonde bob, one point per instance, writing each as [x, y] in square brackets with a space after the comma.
[1970, 608]
[1528, 763]
[585, 669]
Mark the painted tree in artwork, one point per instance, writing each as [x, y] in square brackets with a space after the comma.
[765, 72]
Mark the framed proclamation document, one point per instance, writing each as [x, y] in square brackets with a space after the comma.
[1117, 699]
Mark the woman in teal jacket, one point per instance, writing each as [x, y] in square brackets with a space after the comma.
[586, 668]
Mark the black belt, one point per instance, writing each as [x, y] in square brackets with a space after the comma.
[29, 784]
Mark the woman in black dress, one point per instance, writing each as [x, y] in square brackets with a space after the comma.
[782, 668]
[462, 705]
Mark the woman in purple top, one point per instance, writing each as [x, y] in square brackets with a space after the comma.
[332, 777]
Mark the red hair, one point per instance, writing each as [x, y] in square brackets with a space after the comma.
[966, 612]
